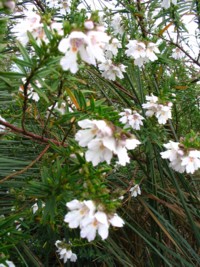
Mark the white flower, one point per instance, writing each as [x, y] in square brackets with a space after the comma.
[151, 105]
[65, 254]
[177, 53]
[131, 118]
[151, 49]
[166, 3]
[191, 161]
[141, 53]
[135, 190]
[93, 128]
[116, 24]
[112, 48]
[111, 71]
[123, 146]
[164, 113]
[2, 127]
[8, 263]
[99, 223]
[136, 49]
[76, 43]
[174, 154]
[125, 115]
[99, 39]
[78, 212]
[97, 152]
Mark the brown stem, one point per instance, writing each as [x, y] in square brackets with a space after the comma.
[30, 135]
[27, 167]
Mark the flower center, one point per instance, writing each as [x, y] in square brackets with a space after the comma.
[76, 43]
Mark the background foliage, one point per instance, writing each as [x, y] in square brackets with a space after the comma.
[162, 225]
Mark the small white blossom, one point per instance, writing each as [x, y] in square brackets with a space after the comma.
[135, 190]
[131, 118]
[65, 254]
[141, 53]
[177, 53]
[76, 43]
[79, 211]
[181, 160]
[97, 152]
[112, 48]
[191, 161]
[151, 105]
[162, 112]
[116, 24]
[111, 71]
[93, 128]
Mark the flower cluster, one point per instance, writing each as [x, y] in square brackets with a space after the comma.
[65, 254]
[166, 3]
[131, 119]
[141, 53]
[91, 219]
[180, 159]
[162, 112]
[88, 45]
[103, 140]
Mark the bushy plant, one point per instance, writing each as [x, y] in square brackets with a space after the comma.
[99, 141]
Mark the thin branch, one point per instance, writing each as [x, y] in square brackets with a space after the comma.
[27, 167]
[31, 135]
